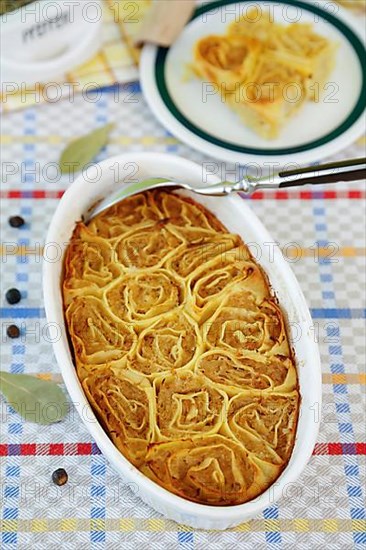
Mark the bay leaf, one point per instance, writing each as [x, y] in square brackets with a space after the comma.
[36, 400]
[81, 151]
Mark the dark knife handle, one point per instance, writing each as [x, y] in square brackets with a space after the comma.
[345, 170]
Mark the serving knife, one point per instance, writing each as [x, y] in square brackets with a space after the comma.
[346, 170]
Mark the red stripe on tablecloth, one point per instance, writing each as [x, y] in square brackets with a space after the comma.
[77, 449]
[259, 195]
[309, 195]
[332, 449]
[321, 449]
[84, 448]
[31, 194]
[56, 449]
[28, 449]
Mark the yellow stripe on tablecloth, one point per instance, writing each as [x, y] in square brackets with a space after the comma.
[343, 378]
[8, 139]
[272, 524]
[49, 376]
[185, 528]
[126, 524]
[54, 139]
[325, 252]
[39, 525]
[243, 527]
[330, 525]
[68, 524]
[301, 525]
[350, 251]
[359, 525]
[97, 524]
[156, 524]
[9, 525]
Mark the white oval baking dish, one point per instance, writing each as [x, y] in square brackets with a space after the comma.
[239, 218]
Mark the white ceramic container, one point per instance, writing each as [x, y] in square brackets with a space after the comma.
[239, 218]
[47, 38]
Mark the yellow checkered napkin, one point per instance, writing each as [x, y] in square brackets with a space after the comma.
[116, 62]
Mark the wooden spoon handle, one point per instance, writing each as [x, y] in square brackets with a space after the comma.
[164, 22]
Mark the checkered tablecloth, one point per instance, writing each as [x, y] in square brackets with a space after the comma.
[96, 509]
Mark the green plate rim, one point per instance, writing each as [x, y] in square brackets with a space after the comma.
[353, 117]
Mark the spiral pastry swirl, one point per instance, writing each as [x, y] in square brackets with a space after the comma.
[144, 296]
[212, 281]
[212, 469]
[125, 215]
[264, 424]
[89, 263]
[235, 372]
[148, 246]
[187, 404]
[239, 323]
[97, 337]
[194, 254]
[185, 213]
[124, 403]
[172, 342]
[181, 348]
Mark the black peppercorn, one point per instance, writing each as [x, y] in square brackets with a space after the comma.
[13, 296]
[59, 476]
[13, 331]
[16, 221]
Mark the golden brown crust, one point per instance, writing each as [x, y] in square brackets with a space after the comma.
[181, 348]
[210, 469]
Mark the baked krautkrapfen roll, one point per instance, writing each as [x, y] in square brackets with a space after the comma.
[124, 403]
[142, 296]
[211, 283]
[89, 263]
[127, 214]
[296, 48]
[233, 372]
[265, 424]
[265, 70]
[188, 404]
[192, 255]
[148, 246]
[240, 323]
[213, 470]
[172, 342]
[98, 337]
[183, 212]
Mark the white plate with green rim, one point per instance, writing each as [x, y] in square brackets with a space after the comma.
[208, 125]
